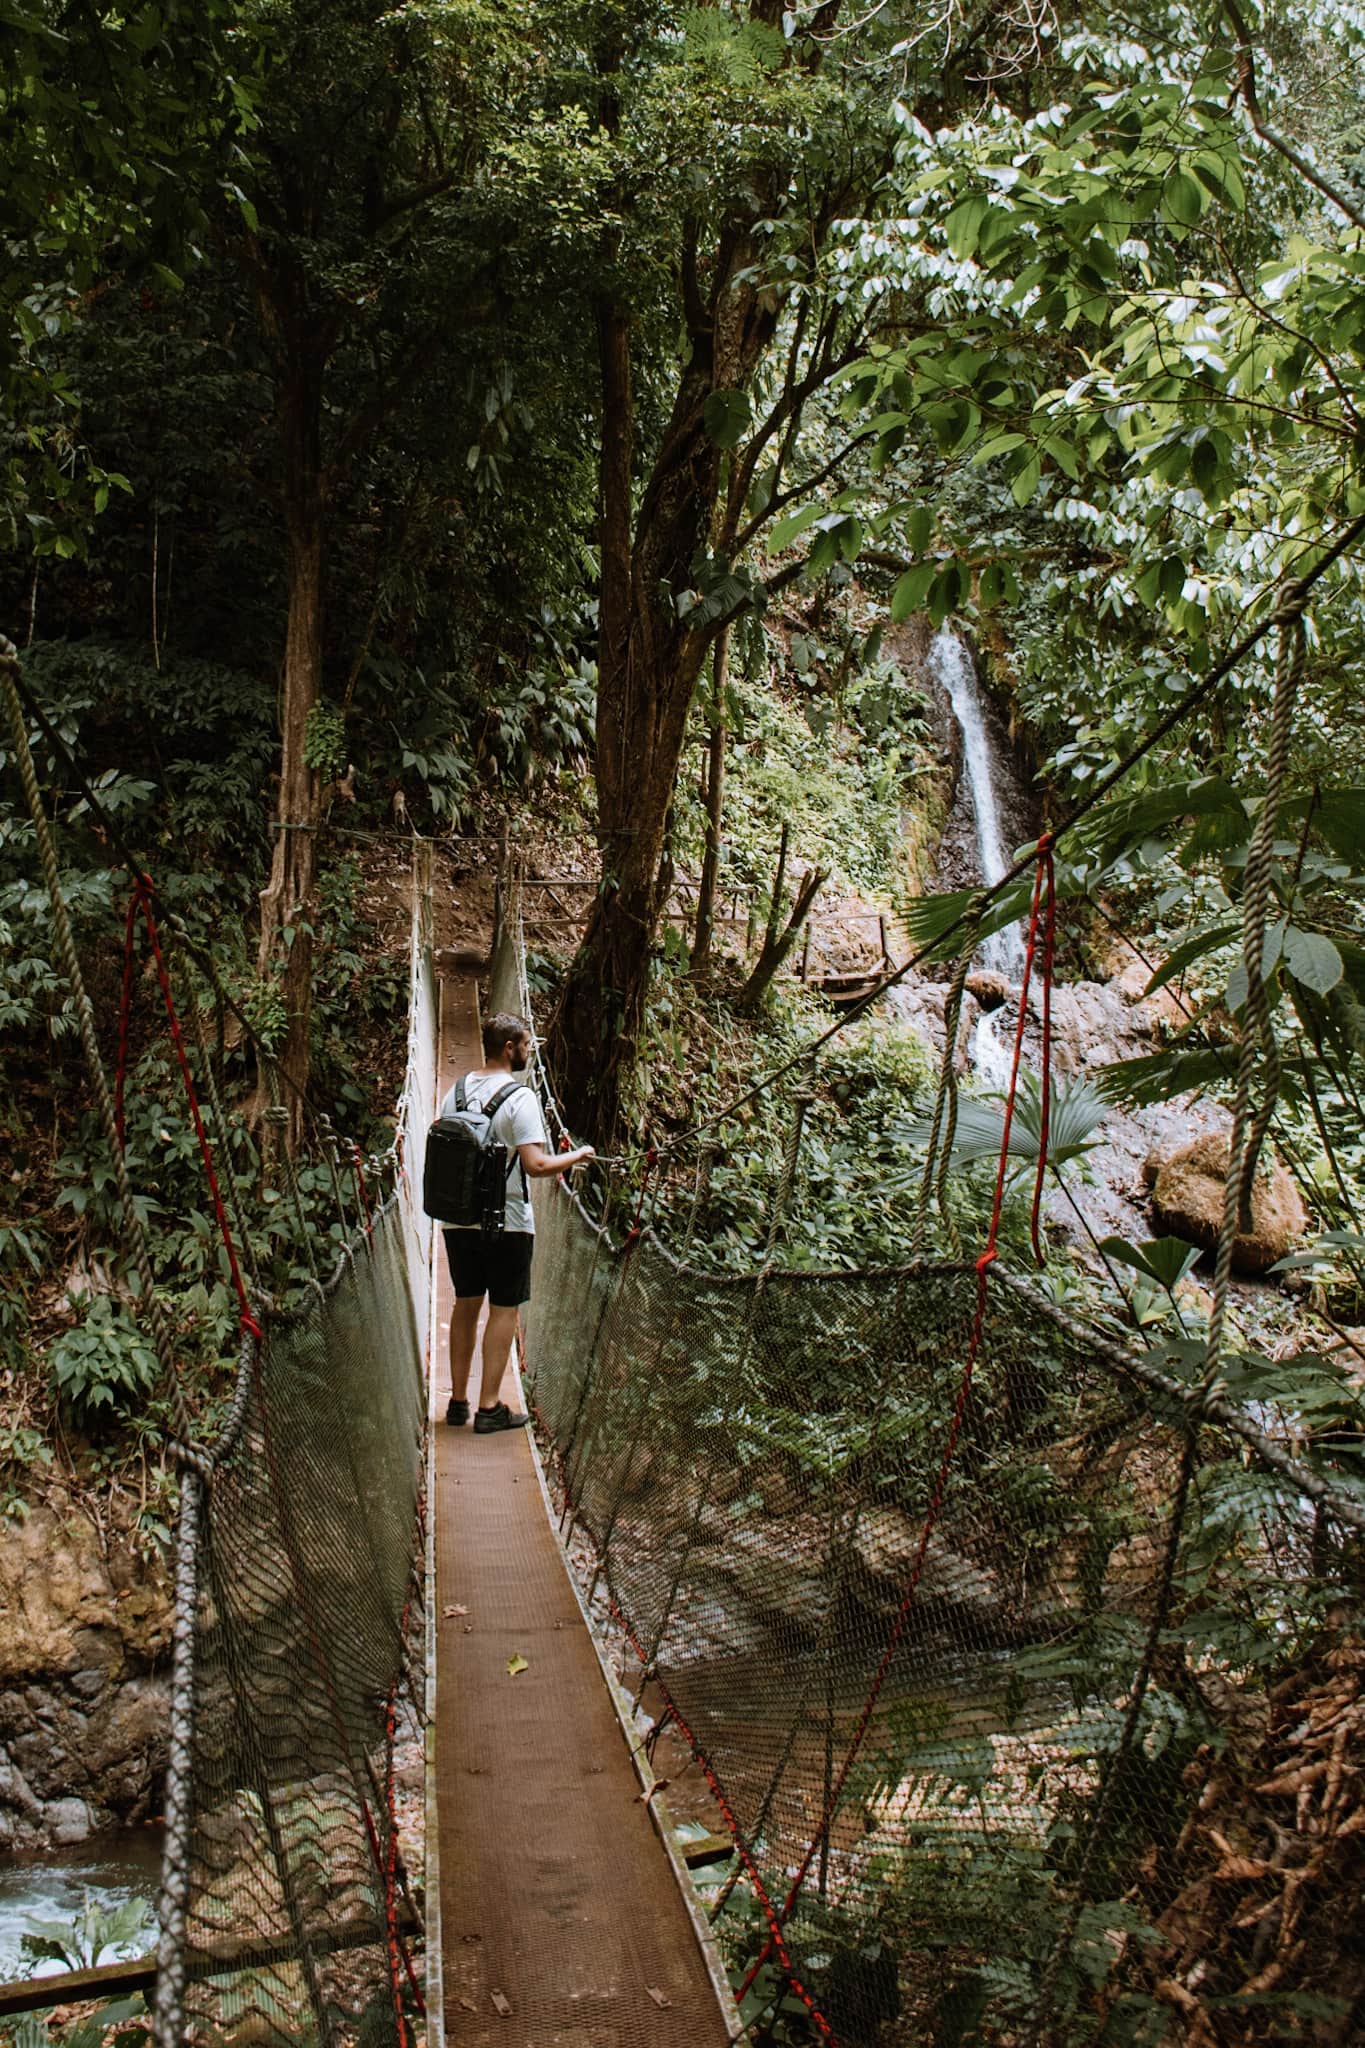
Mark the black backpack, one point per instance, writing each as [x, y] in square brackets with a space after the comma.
[464, 1178]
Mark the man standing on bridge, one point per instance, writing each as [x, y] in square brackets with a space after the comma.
[498, 1266]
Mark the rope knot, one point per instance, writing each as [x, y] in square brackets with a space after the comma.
[988, 1258]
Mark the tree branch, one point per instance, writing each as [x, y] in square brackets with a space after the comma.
[809, 483]
[1247, 92]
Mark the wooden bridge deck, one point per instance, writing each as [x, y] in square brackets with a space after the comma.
[562, 1922]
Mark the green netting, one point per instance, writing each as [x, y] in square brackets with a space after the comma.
[1079, 1693]
[303, 1579]
[753, 1463]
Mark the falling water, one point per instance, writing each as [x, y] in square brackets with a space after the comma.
[1003, 951]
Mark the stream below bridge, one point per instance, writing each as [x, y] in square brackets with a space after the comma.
[108, 1871]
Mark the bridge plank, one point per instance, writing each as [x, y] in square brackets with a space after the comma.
[557, 1898]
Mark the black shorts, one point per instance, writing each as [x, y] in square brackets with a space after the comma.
[499, 1266]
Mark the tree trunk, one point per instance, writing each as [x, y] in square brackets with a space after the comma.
[649, 659]
[715, 809]
[288, 901]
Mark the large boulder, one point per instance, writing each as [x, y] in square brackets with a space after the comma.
[85, 1638]
[1187, 1201]
[990, 989]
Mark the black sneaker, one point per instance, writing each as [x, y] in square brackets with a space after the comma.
[457, 1412]
[486, 1420]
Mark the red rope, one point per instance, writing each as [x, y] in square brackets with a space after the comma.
[1045, 845]
[936, 1499]
[125, 1012]
[775, 1940]
[142, 901]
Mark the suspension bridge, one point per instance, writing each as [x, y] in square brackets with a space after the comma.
[913, 1570]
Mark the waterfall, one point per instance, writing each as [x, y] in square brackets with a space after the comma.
[952, 665]
[1003, 951]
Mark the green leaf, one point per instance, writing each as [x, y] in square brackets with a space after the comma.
[927, 919]
[1184, 956]
[1182, 201]
[964, 223]
[1312, 959]
[911, 589]
[919, 526]
[1222, 176]
[726, 416]
[1164, 1259]
[793, 523]
[1026, 482]
[1160, 1077]
[1339, 815]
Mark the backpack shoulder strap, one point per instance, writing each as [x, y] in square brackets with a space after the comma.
[495, 1102]
[461, 1097]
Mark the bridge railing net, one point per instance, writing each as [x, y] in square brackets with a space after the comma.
[305, 1577]
[975, 1756]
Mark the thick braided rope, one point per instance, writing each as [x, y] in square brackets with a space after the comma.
[174, 1902]
[134, 1234]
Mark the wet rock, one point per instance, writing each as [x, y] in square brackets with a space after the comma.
[777, 1568]
[17, 1794]
[887, 1545]
[989, 988]
[84, 1649]
[1187, 1201]
[68, 1820]
[921, 1005]
[133, 1726]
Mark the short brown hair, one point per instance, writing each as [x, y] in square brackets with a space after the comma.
[504, 1029]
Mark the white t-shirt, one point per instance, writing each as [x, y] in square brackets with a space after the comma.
[518, 1122]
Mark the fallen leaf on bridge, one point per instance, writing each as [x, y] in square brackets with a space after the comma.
[516, 1664]
[449, 1611]
[664, 2004]
[504, 2005]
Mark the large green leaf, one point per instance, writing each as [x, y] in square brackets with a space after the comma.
[1312, 959]
[1160, 1077]
[793, 524]
[1122, 826]
[1074, 1115]
[928, 919]
[1164, 1259]
[726, 416]
[1339, 816]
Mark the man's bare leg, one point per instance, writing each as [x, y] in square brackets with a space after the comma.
[497, 1343]
[464, 1333]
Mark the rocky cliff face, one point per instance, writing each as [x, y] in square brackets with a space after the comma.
[84, 1682]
